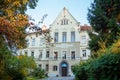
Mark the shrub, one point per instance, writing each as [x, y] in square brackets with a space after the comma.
[106, 67]
[38, 72]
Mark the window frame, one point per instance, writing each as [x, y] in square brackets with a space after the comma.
[32, 54]
[64, 36]
[73, 55]
[84, 39]
[64, 21]
[56, 37]
[33, 42]
[72, 36]
[55, 68]
[64, 54]
[55, 55]
[47, 54]
[84, 53]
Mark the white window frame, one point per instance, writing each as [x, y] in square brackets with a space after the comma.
[41, 41]
[72, 36]
[84, 53]
[64, 21]
[32, 54]
[64, 36]
[55, 67]
[84, 39]
[33, 42]
[55, 56]
[64, 54]
[56, 37]
[73, 56]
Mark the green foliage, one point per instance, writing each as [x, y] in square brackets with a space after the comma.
[106, 67]
[13, 21]
[17, 68]
[4, 55]
[27, 62]
[116, 47]
[103, 16]
[12, 67]
[30, 78]
[93, 43]
[39, 73]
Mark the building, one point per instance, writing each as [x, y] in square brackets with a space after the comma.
[69, 45]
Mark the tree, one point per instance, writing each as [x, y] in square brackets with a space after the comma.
[104, 18]
[103, 68]
[18, 67]
[13, 22]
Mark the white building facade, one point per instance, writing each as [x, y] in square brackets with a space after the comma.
[69, 45]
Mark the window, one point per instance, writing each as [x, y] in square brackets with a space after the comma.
[83, 39]
[32, 54]
[41, 41]
[40, 54]
[47, 67]
[36, 34]
[84, 53]
[40, 66]
[26, 53]
[28, 42]
[64, 55]
[64, 22]
[56, 37]
[47, 54]
[33, 42]
[73, 55]
[64, 37]
[55, 55]
[20, 52]
[73, 36]
[54, 68]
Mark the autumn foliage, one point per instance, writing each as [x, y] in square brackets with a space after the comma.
[13, 20]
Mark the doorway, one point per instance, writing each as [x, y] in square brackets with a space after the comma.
[64, 69]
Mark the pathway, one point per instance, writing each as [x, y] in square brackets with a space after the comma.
[59, 78]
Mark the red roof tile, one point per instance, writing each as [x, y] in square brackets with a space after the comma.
[86, 28]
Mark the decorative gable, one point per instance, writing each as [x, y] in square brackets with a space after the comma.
[64, 18]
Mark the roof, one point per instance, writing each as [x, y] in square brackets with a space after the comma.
[43, 29]
[86, 28]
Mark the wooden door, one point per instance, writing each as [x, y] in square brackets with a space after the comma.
[64, 71]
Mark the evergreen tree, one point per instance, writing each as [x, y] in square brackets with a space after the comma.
[104, 18]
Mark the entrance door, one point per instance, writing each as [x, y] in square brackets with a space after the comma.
[64, 69]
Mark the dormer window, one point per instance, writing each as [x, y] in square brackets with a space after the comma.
[64, 21]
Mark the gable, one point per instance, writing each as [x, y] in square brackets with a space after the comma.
[64, 18]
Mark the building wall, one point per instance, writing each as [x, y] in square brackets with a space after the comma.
[36, 45]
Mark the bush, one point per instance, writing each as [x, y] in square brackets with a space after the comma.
[39, 73]
[30, 78]
[106, 67]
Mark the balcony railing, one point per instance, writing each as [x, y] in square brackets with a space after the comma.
[60, 58]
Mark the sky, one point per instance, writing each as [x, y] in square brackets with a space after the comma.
[78, 9]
